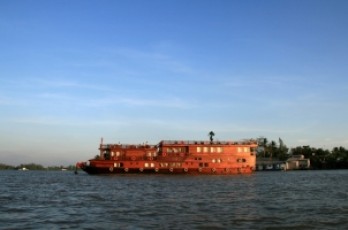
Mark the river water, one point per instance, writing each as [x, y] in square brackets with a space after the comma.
[263, 200]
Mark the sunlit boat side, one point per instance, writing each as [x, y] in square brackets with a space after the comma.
[175, 157]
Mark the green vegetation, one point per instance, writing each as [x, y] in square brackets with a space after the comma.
[337, 158]
[211, 135]
[33, 166]
[272, 149]
[4, 166]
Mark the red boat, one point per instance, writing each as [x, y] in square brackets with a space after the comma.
[175, 157]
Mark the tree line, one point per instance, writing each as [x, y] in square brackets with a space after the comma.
[320, 158]
[33, 166]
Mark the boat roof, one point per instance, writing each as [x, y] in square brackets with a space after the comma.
[183, 143]
[202, 142]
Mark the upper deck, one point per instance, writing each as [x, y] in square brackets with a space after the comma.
[250, 142]
[175, 148]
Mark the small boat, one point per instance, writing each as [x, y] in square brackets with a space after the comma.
[23, 169]
[174, 157]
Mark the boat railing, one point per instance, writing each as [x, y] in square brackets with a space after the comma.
[126, 146]
[178, 142]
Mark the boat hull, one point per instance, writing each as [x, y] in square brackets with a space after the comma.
[211, 171]
[95, 171]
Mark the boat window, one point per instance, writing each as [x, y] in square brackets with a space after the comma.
[149, 165]
[203, 165]
[218, 160]
[199, 149]
[219, 149]
[212, 149]
[246, 149]
[205, 149]
[239, 149]
[107, 155]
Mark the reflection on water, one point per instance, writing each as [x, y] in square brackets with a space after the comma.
[263, 200]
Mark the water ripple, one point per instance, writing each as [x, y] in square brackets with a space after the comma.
[279, 200]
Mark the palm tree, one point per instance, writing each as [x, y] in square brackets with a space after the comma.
[211, 134]
[263, 142]
[273, 146]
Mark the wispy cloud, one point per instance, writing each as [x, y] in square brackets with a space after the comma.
[155, 60]
[137, 101]
[49, 99]
[266, 82]
[59, 121]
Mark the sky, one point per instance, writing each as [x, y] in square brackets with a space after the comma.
[72, 72]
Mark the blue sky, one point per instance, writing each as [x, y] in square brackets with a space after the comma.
[72, 72]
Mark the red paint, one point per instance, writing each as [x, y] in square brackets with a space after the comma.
[175, 157]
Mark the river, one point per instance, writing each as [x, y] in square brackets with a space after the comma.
[262, 200]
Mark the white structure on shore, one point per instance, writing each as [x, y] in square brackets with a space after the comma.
[297, 162]
[293, 163]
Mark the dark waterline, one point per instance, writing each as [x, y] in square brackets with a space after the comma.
[263, 200]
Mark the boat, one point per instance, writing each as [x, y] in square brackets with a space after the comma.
[23, 169]
[174, 157]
